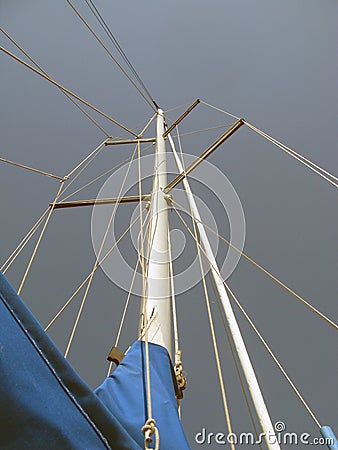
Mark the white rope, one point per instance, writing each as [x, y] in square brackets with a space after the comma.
[40, 238]
[124, 313]
[92, 153]
[305, 161]
[301, 398]
[32, 169]
[213, 336]
[97, 259]
[233, 354]
[220, 110]
[41, 74]
[126, 304]
[94, 179]
[202, 130]
[267, 273]
[211, 324]
[173, 299]
[12, 257]
[109, 53]
[177, 107]
[144, 129]
[43, 71]
[88, 276]
[255, 329]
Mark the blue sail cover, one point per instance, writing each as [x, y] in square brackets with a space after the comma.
[44, 404]
[126, 397]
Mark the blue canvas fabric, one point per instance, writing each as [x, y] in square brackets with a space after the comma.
[44, 404]
[124, 394]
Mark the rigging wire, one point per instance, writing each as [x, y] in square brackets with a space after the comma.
[40, 237]
[233, 354]
[173, 299]
[7, 264]
[124, 313]
[128, 297]
[201, 130]
[41, 74]
[97, 259]
[130, 290]
[255, 329]
[109, 53]
[67, 95]
[32, 169]
[301, 398]
[211, 323]
[12, 257]
[102, 145]
[306, 161]
[65, 305]
[266, 272]
[213, 336]
[118, 47]
[176, 107]
[96, 178]
[220, 110]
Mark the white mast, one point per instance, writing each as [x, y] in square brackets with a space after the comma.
[242, 352]
[157, 290]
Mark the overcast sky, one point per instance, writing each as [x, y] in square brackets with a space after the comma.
[273, 63]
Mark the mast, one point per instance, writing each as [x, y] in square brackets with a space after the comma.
[249, 373]
[156, 296]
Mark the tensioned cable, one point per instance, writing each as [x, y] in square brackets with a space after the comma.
[32, 169]
[272, 277]
[311, 165]
[147, 125]
[41, 74]
[266, 272]
[129, 294]
[40, 238]
[118, 47]
[211, 323]
[101, 146]
[12, 257]
[213, 334]
[35, 227]
[61, 310]
[97, 259]
[109, 53]
[124, 313]
[291, 150]
[239, 375]
[220, 110]
[251, 323]
[96, 178]
[85, 163]
[173, 299]
[141, 259]
[177, 107]
[67, 95]
[126, 304]
[201, 130]
[99, 177]
[306, 161]
[223, 321]
[274, 357]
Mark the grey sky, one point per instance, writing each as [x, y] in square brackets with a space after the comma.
[273, 63]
